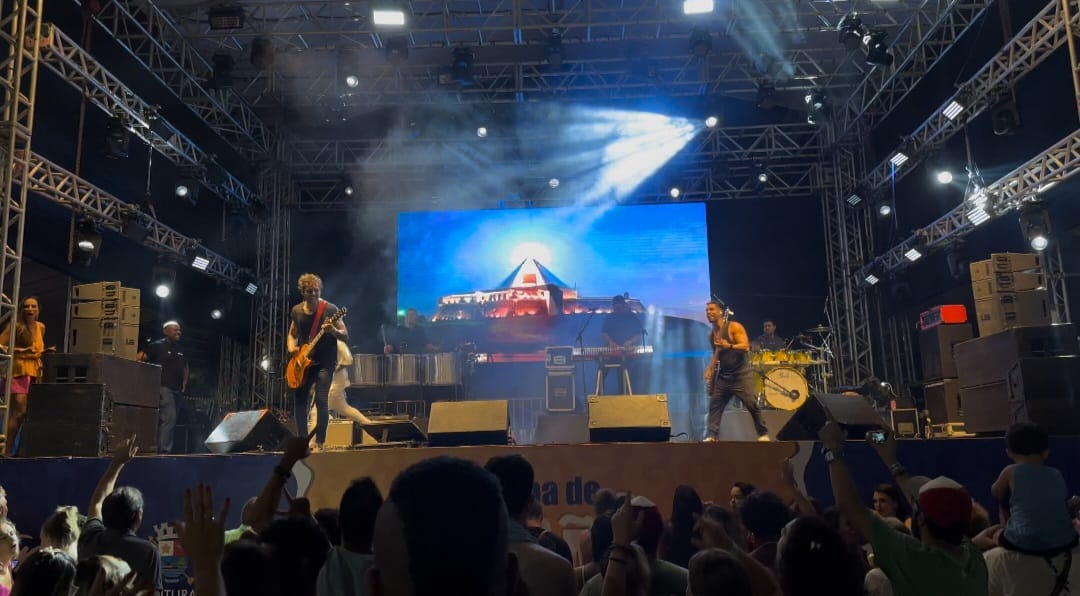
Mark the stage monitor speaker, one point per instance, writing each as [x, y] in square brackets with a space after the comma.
[251, 430]
[562, 429]
[455, 423]
[854, 414]
[943, 402]
[629, 419]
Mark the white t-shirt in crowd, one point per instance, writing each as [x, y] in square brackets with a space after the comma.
[1015, 574]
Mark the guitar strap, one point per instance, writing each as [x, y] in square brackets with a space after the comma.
[318, 317]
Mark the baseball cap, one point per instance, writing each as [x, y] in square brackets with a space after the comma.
[944, 501]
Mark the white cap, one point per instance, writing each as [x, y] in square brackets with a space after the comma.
[170, 324]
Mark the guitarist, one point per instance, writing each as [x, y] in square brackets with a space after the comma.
[308, 318]
[728, 374]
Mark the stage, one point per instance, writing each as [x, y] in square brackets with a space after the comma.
[567, 476]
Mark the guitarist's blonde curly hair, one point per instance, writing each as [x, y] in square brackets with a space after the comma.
[308, 279]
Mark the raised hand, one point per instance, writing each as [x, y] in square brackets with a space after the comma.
[126, 451]
[203, 532]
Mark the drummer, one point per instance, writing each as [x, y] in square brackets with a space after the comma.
[409, 338]
[769, 340]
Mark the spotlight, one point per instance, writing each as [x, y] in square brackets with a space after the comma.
[877, 51]
[850, 28]
[226, 17]
[187, 188]
[482, 132]
[117, 138]
[871, 279]
[216, 314]
[700, 42]
[697, 6]
[762, 177]
[388, 16]
[461, 67]
[85, 242]
[884, 208]
[264, 363]
[553, 183]
[352, 81]
[162, 279]
[953, 110]
[711, 121]
[1005, 116]
[944, 177]
[761, 173]
[854, 199]
[251, 288]
[349, 190]
[815, 100]
[1035, 225]
[200, 262]
[978, 216]
[913, 254]
[899, 158]
[675, 192]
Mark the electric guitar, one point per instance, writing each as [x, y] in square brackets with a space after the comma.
[299, 364]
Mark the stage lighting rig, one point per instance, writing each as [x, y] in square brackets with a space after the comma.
[697, 6]
[553, 51]
[1035, 224]
[711, 121]
[461, 67]
[387, 14]
[85, 242]
[854, 33]
[162, 279]
[223, 18]
[884, 208]
[700, 42]
[117, 137]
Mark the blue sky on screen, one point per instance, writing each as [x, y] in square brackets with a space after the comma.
[657, 253]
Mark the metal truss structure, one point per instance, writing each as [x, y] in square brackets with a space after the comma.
[20, 32]
[79, 69]
[721, 164]
[52, 182]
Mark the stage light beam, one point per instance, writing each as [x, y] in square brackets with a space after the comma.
[944, 177]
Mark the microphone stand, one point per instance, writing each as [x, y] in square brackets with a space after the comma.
[581, 347]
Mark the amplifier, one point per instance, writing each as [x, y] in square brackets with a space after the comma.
[81, 420]
[127, 381]
[936, 350]
[945, 314]
[988, 359]
[559, 389]
[1045, 391]
[559, 357]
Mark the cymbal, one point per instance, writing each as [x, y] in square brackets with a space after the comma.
[818, 329]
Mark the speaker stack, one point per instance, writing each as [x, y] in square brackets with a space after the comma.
[104, 319]
[940, 330]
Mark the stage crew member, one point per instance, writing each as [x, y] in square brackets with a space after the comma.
[769, 340]
[308, 318]
[166, 353]
[409, 338]
[728, 374]
[26, 362]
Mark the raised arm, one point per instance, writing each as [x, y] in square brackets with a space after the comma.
[844, 491]
[762, 582]
[266, 504]
[124, 453]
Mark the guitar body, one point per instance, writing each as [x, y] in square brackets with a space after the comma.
[299, 364]
[298, 367]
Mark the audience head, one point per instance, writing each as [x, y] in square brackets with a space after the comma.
[297, 549]
[813, 561]
[535, 513]
[327, 518]
[61, 529]
[684, 506]
[842, 526]
[122, 510]
[9, 541]
[652, 525]
[356, 514]
[1026, 438]
[731, 524]
[47, 572]
[3, 503]
[739, 492]
[601, 535]
[515, 476]
[888, 502]
[248, 570]
[247, 512]
[87, 569]
[764, 516]
[944, 510]
[443, 531]
[714, 572]
[605, 502]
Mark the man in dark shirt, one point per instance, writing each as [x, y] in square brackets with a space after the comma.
[166, 353]
[303, 328]
[113, 518]
[622, 330]
[409, 338]
[534, 524]
[768, 340]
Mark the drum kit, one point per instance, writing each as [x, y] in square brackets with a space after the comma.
[783, 378]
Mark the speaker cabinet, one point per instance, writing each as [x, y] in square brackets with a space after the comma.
[128, 382]
[455, 423]
[82, 420]
[251, 430]
[854, 414]
[989, 359]
[559, 389]
[1045, 391]
[629, 419]
[943, 402]
[936, 350]
[562, 429]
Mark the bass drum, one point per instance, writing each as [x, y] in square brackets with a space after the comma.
[368, 370]
[785, 388]
[442, 369]
[402, 369]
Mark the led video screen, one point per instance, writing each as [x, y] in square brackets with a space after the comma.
[472, 264]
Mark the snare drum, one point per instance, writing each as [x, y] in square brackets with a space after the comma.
[442, 369]
[402, 369]
[368, 370]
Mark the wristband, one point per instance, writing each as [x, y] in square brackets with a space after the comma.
[831, 456]
[285, 474]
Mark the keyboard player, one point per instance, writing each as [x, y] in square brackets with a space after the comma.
[622, 330]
